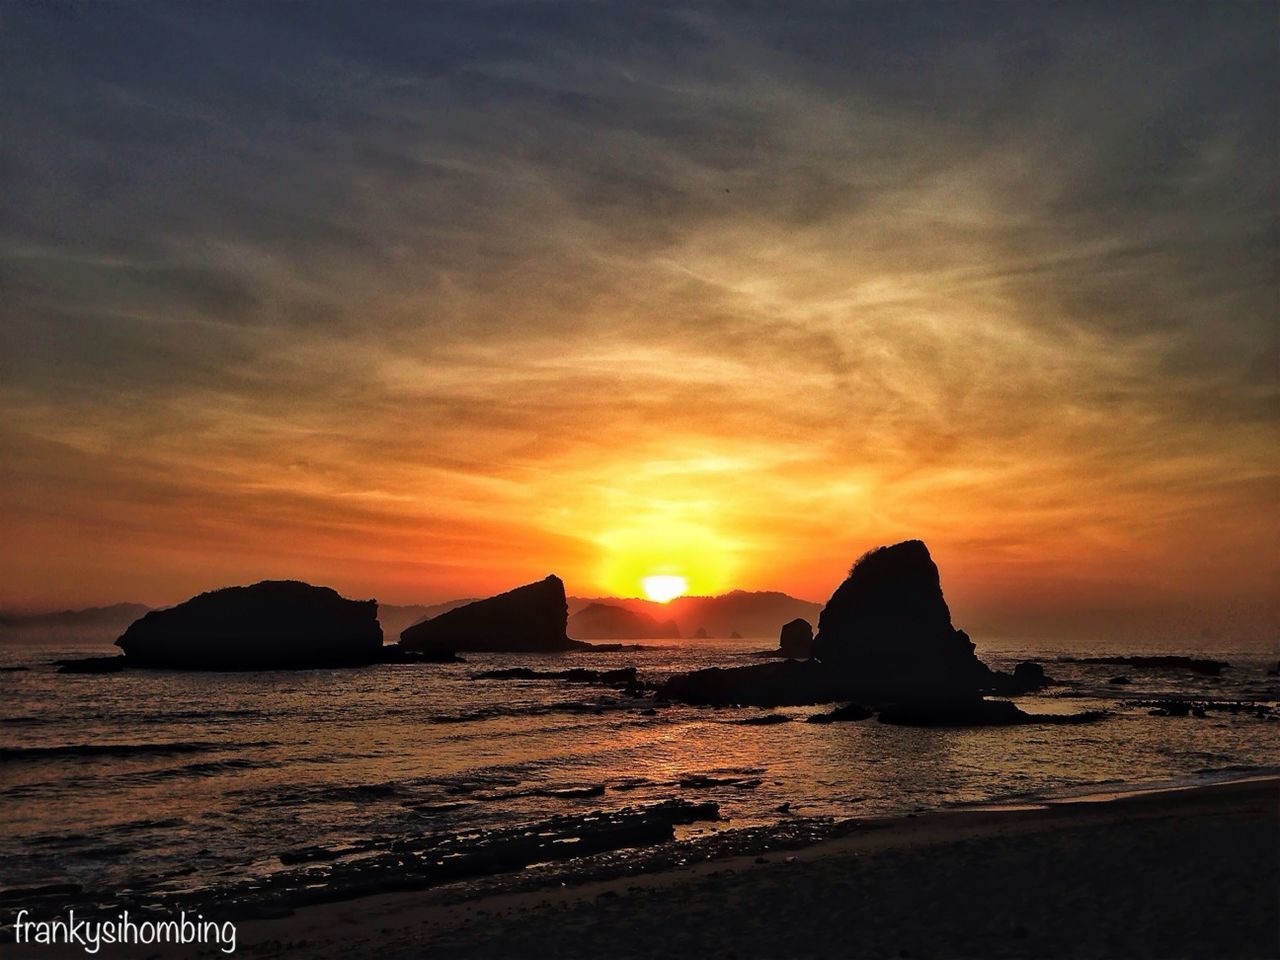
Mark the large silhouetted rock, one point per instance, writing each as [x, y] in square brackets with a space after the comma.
[885, 639]
[528, 619]
[796, 640]
[887, 631]
[275, 624]
[605, 621]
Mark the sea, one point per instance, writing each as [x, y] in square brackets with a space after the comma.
[131, 786]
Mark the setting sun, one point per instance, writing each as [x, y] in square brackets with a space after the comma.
[664, 587]
[662, 555]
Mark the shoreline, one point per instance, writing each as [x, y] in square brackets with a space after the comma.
[1176, 821]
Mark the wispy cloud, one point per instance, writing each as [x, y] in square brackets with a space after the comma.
[433, 298]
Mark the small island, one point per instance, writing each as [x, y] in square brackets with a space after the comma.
[271, 625]
[533, 618]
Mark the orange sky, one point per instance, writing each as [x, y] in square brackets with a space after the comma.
[722, 303]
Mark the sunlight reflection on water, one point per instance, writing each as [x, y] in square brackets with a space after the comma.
[261, 763]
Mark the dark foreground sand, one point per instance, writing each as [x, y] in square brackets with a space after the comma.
[1191, 873]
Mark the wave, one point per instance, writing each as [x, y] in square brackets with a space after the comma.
[82, 750]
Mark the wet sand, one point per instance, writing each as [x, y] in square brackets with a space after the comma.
[1184, 873]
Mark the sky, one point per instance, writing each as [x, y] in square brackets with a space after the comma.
[428, 300]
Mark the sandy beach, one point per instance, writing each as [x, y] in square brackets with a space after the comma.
[1181, 873]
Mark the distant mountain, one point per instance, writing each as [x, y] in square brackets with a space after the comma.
[608, 621]
[91, 626]
[751, 614]
[748, 613]
[395, 618]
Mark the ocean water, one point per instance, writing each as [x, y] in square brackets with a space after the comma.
[146, 783]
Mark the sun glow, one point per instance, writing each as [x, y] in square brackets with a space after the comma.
[664, 587]
[661, 557]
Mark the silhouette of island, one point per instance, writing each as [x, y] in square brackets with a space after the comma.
[533, 618]
[272, 625]
[607, 621]
[885, 638]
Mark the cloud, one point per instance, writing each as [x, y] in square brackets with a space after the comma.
[497, 274]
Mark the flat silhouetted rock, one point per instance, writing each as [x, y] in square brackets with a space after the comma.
[529, 619]
[394, 653]
[621, 677]
[91, 665]
[606, 621]
[1027, 677]
[701, 634]
[796, 640]
[782, 684]
[272, 625]
[887, 631]
[851, 712]
[974, 712]
[1209, 668]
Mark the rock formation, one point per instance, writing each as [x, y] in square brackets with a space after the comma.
[977, 712]
[1027, 677]
[605, 621]
[272, 625]
[796, 640]
[885, 639]
[850, 712]
[887, 631]
[783, 684]
[529, 619]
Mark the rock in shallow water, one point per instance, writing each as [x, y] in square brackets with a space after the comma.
[852, 712]
[783, 684]
[975, 712]
[91, 665]
[529, 619]
[885, 636]
[885, 639]
[887, 631]
[1027, 677]
[272, 625]
[796, 639]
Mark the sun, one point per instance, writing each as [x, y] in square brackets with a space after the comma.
[664, 588]
[661, 558]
